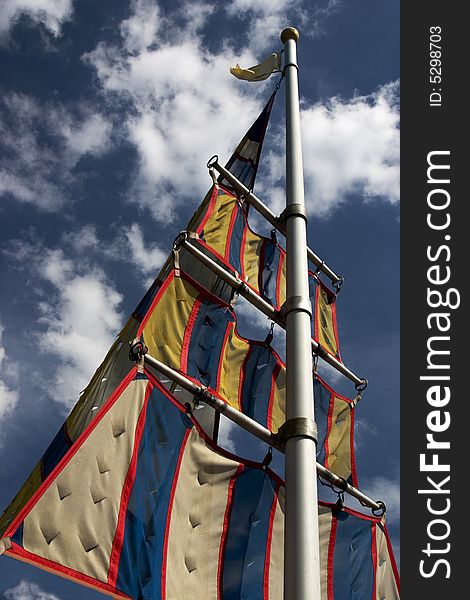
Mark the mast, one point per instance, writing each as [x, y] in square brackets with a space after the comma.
[301, 545]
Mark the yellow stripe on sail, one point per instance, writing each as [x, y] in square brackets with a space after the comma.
[326, 330]
[339, 439]
[234, 355]
[164, 330]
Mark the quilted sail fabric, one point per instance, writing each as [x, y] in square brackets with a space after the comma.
[221, 225]
[144, 506]
[356, 556]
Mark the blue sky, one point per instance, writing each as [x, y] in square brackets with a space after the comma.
[109, 111]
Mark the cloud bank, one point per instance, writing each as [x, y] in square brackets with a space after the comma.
[8, 379]
[41, 143]
[26, 590]
[350, 146]
[50, 13]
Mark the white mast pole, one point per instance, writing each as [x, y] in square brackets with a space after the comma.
[301, 546]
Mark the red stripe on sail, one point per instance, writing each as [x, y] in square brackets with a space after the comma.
[352, 451]
[222, 353]
[328, 428]
[187, 335]
[214, 195]
[267, 562]
[126, 493]
[170, 508]
[392, 557]
[243, 247]
[269, 415]
[335, 328]
[66, 572]
[73, 450]
[331, 555]
[156, 300]
[373, 551]
[261, 265]
[233, 218]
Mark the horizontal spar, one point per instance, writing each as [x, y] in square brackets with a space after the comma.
[275, 221]
[244, 290]
[272, 439]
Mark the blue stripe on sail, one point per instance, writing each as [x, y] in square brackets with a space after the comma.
[245, 549]
[57, 449]
[243, 170]
[353, 569]
[322, 405]
[140, 563]
[236, 240]
[269, 271]
[206, 343]
[257, 383]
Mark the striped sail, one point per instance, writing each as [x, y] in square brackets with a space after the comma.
[132, 498]
[221, 225]
[143, 505]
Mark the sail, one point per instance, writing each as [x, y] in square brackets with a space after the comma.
[188, 324]
[194, 332]
[135, 500]
[144, 505]
[221, 226]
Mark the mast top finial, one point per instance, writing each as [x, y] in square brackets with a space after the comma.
[289, 33]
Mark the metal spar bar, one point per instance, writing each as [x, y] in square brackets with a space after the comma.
[201, 393]
[237, 284]
[244, 290]
[252, 426]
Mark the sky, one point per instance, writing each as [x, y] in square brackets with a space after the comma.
[109, 112]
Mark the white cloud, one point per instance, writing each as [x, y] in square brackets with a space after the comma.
[80, 320]
[255, 325]
[252, 315]
[8, 399]
[363, 429]
[267, 18]
[89, 135]
[178, 119]
[26, 590]
[147, 257]
[349, 147]
[128, 246]
[329, 373]
[51, 13]
[77, 316]
[84, 239]
[140, 29]
[227, 435]
[8, 376]
[184, 103]
[42, 143]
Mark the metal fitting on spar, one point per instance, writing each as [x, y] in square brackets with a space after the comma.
[296, 304]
